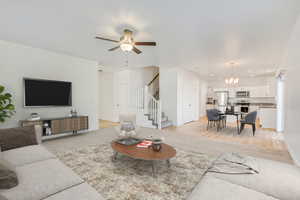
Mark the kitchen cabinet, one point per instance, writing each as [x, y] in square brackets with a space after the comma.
[210, 106]
[253, 108]
[268, 90]
[232, 92]
[259, 91]
[268, 117]
[210, 92]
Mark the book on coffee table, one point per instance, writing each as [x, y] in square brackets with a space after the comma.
[144, 144]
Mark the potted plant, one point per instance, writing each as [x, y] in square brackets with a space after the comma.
[7, 109]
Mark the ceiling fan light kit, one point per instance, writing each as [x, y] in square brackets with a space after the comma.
[126, 42]
[126, 47]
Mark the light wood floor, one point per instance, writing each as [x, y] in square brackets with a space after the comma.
[107, 124]
[265, 140]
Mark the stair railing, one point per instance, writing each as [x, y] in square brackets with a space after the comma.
[149, 105]
[153, 85]
[140, 100]
[155, 110]
[155, 77]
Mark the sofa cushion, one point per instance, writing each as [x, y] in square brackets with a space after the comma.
[8, 176]
[38, 133]
[82, 191]
[12, 138]
[275, 179]
[211, 188]
[2, 197]
[27, 155]
[41, 179]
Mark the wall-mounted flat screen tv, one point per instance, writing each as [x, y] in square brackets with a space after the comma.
[40, 93]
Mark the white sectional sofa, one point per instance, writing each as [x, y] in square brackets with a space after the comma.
[43, 177]
[275, 181]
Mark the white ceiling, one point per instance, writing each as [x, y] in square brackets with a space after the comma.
[201, 35]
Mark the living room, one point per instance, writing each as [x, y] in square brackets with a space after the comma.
[152, 73]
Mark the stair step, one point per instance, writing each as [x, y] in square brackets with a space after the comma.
[166, 124]
[165, 118]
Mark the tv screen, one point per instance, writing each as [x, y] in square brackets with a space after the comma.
[47, 93]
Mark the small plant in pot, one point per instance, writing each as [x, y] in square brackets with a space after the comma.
[7, 109]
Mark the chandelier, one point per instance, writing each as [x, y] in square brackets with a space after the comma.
[232, 80]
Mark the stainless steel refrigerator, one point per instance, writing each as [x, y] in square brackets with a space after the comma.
[222, 100]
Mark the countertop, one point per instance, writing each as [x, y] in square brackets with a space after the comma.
[260, 105]
[264, 105]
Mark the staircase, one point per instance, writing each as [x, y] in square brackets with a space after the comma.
[165, 122]
[149, 108]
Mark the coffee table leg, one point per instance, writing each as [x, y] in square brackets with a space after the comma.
[169, 163]
[114, 157]
[153, 169]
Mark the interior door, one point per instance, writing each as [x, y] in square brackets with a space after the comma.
[187, 104]
[123, 98]
[189, 100]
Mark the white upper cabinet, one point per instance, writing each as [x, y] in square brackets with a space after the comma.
[259, 91]
[232, 92]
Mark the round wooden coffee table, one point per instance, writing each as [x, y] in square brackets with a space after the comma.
[166, 153]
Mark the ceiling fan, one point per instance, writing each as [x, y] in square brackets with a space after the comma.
[127, 43]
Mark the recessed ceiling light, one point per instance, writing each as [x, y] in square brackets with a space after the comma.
[232, 63]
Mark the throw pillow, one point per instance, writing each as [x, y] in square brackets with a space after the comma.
[17, 137]
[2, 197]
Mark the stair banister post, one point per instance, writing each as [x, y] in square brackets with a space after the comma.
[159, 112]
[146, 99]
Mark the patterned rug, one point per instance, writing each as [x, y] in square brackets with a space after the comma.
[129, 179]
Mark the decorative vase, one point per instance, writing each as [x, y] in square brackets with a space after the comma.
[156, 145]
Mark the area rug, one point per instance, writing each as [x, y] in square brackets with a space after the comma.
[130, 179]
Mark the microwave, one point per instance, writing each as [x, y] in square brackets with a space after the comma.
[242, 94]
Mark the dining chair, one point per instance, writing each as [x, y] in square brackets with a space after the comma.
[213, 117]
[249, 119]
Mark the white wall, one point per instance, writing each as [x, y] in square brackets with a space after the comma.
[172, 82]
[202, 98]
[168, 92]
[18, 61]
[292, 128]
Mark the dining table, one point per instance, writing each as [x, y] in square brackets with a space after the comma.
[238, 116]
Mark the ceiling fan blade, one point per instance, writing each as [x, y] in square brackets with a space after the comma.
[101, 38]
[112, 49]
[146, 43]
[136, 50]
